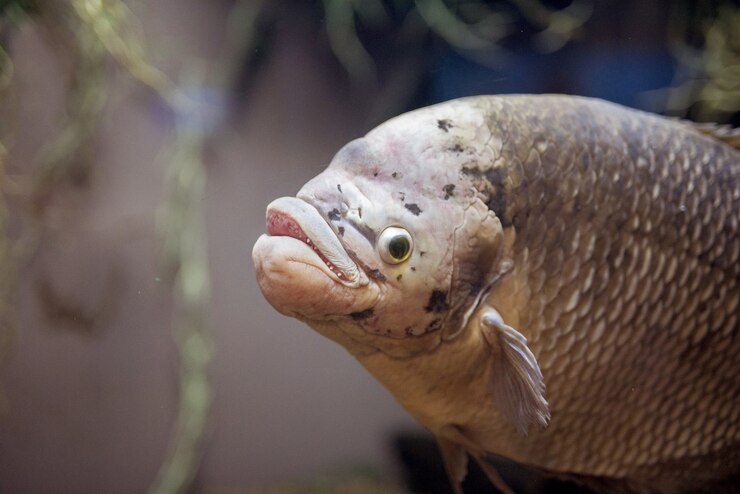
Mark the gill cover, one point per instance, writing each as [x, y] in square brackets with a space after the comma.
[479, 262]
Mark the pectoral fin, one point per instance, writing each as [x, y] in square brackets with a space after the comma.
[516, 381]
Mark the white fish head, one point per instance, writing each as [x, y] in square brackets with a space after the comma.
[390, 247]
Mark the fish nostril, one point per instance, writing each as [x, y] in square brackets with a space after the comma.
[334, 215]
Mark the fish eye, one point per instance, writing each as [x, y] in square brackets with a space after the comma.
[395, 245]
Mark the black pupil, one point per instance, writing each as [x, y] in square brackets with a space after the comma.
[398, 247]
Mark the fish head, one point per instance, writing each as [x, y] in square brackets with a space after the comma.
[390, 247]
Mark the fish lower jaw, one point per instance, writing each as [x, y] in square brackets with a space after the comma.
[295, 263]
[296, 282]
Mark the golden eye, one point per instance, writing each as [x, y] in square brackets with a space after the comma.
[395, 245]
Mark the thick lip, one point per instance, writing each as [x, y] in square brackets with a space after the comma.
[293, 217]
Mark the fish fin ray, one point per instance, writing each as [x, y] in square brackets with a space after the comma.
[455, 460]
[493, 476]
[455, 447]
[517, 384]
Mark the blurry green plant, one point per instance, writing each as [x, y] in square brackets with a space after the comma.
[707, 82]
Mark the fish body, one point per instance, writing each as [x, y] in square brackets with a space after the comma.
[548, 278]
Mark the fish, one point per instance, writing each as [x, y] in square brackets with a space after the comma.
[552, 279]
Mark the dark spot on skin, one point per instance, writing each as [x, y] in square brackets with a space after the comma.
[492, 183]
[421, 253]
[496, 201]
[413, 268]
[363, 314]
[334, 214]
[444, 124]
[376, 275]
[435, 324]
[472, 172]
[341, 231]
[437, 302]
[415, 210]
[359, 212]
[339, 188]
[375, 174]
[402, 196]
[398, 278]
[496, 176]
[364, 230]
[457, 148]
[448, 190]
[387, 332]
[497, 204]
[408, 331]
[396, 175]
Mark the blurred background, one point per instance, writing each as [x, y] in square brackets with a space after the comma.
[140, 142]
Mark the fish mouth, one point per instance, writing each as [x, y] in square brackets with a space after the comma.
[296, 218]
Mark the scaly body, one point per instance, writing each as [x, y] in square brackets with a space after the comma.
[615, 253]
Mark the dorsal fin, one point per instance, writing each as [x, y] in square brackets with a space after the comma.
[725, 133]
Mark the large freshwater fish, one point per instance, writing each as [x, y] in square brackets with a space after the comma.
[548, 278]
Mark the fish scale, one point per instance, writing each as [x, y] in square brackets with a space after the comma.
[651, 232]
